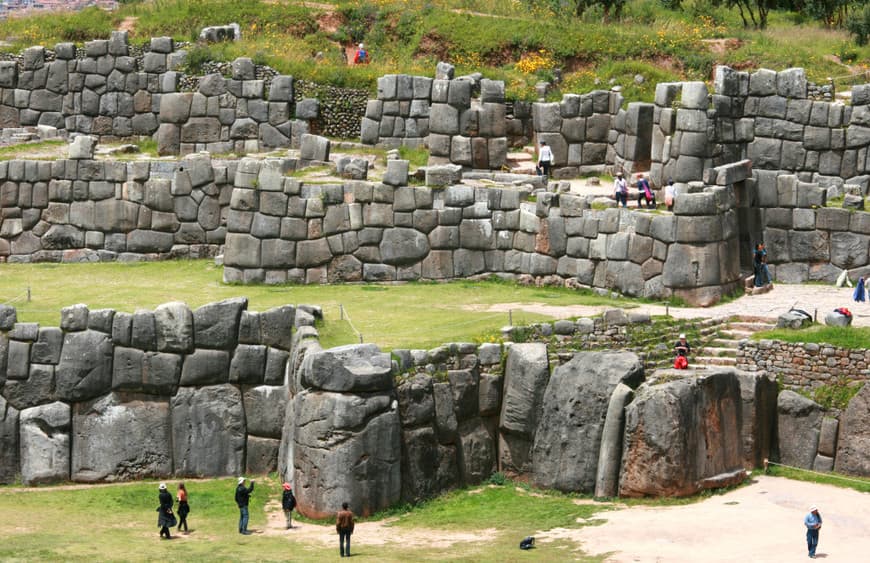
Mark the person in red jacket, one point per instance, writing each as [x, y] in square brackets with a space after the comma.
[362, 56]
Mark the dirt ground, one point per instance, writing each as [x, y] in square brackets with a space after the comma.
[811, 298]
[762, 522]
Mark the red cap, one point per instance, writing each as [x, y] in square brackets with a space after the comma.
[287, 486]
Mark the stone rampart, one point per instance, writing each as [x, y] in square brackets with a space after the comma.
[173, 391]
[73, 210]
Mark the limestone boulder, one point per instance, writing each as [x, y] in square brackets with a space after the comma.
[45, 443]
[85, 368]
[121, 437]
[402, 246]
[358, 368]
[208, 426]
[174, 327]
[477, 452]
[420, 464]
[261, 455]
[683, 436]
[416, 401]
[853, 450]
[568, 438]
[9, 458]
[264, 410]
[347, 448]
[758, 418]
[799, 422]
[527, 371]
[216, 325]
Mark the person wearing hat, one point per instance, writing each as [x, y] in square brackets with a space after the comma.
[545, 159]
[288, 503]
[243, 495]
[813, 522]
[620, 190]
[165, 517]
[362, 56]
[682, 349]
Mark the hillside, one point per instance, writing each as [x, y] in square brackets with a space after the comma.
[313, 40]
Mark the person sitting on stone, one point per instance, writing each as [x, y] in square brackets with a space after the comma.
[682, 350]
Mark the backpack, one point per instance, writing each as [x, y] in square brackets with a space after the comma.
[680, 362]
[527, 543]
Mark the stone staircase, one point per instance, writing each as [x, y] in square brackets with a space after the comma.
[715, 344]
[724, 338]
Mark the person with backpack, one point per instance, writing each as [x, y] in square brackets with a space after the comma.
[288, 503]
[645, 193]
[243, 496]
[682, 349]
[362, 56]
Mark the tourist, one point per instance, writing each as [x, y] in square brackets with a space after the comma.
[620, 190]
[813, 522]
[670, 194]
[645, 193]
[362, 56]
[344, 527]
[242, 497]
[545, 159]
[858, 294]
[759, 260]
[288, 503]
[165, 517]
[183, 507]
[682, 349]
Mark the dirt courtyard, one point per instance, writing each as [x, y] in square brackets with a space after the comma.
[761, 522]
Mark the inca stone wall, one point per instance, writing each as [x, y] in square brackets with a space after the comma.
[82, 209]
[281, 229]
[112, 396]
[104, 91]
[804, 366]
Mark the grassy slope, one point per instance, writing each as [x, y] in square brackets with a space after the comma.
[411, 35]
[416, 315]
[118, 522]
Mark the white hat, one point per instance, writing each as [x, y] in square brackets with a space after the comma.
[360, 45]
[682, 335]
[162, 486]
[813, 508]
[241, 480]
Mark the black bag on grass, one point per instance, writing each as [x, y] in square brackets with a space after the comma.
[527, 543]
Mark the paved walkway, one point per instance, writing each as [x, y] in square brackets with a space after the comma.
[812, 298]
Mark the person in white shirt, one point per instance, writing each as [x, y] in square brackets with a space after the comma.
[670, 193]
[545, 159]
[620, 190]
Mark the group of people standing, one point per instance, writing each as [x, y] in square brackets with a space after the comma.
[646, 197]
[344, 520]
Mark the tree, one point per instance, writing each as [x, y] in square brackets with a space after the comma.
[752, 12]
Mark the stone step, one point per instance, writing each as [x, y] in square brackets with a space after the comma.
[751, 326]
[714, 361]
[737, 334]
[726, 342]
[519, 156]
[718, 352]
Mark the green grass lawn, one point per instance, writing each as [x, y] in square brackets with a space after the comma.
[845, 481]
[412, 315]
[845, 337]
[119, 523]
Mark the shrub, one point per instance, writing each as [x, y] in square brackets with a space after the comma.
[497, 478]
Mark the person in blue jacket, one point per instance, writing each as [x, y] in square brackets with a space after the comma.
[813, 523]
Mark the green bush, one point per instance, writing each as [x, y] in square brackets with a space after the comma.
[497, 478]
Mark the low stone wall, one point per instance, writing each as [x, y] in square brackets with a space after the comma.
[111, 395]
[804, 366]
[74, 210]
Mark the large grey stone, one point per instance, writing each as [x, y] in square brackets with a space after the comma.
[527, 371]
[216, 325]
[119, 437]
[264, 410]
[401, 246]
[174, 327]
[197, 449]
[477, 452]
[45, 443]
[147, 372]
[205, 367]
[799, 422]
[416, 401]
[346, 448]
[85, 367]
[10, 459]
[359, 368]
[575, 404]
[706, 452]
[854, 437]
[758, 417]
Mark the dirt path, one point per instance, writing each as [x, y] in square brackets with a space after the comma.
[128, 24]
[762, 522]
[811, 298]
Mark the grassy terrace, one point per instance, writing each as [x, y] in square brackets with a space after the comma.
[520, 42]
[412, 315]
